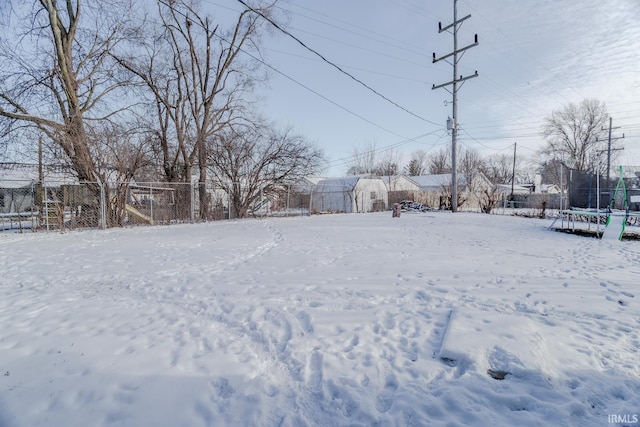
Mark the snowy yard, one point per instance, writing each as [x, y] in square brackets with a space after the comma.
[336, 320]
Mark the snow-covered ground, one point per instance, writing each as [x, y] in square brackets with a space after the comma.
[333, 320]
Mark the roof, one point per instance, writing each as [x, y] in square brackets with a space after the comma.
[438, 181]
[434, 181]
[18, 175]
[338, 184]
[517, 189]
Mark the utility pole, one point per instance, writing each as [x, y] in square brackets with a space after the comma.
[453, 29]
[40, 170]
[513, 171]
[611, 128]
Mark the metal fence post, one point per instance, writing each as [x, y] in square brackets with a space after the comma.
[103, 207]
[192, 200]
[151, 201]
[46, 204]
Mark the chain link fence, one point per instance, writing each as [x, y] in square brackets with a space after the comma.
[61, 205]
[67, 205]
[591, 190]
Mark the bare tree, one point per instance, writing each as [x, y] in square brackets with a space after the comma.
[248, 160]
[440, 162]
[120, 151]
[56, 75]
[576, 132]
[447, 197]
[550, 170]
[498, 168]
[388, 163]
[68, 71]
[471, 163]
[418, 163]
[197, 77]
[363, 160]
[489, 199]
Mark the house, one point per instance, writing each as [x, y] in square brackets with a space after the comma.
[518, 190]
[400, 187]
[435, 190]
[533, 196]
[19, 183]
[537, 187]
[547, 189]
[353, 194]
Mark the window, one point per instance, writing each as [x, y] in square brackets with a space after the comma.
[373, 195]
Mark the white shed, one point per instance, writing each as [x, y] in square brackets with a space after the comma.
[349, 194]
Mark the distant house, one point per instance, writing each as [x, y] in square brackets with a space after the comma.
[353, 194]
[399, 183]
[520, 190]
[529, 195]
[19, 182]
[537, 187]
[435, 190]
[547, 189]
[400, 187]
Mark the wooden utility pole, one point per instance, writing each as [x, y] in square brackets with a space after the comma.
[40, 169]
[453, 29]
[611, 128]
[513, 171]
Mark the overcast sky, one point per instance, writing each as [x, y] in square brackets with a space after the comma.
[533, 57]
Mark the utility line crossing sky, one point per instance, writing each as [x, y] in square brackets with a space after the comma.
[351, 73]
[360, 71]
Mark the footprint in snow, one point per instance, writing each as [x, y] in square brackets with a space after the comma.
[314, 372]
[222, 388]
[305, 321]
[386, 397]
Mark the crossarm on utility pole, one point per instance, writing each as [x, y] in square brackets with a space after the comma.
[474, 44]
[440, 29]
[461, 79]
[454, 128]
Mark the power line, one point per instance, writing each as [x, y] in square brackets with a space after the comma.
[481, 144]
[346, 66]
[312, 90]
[346, 160]
[414, 8]
[350, 24]
[453, 122]
[315, 52]
[395, 58]
[396, 44]
[523, 50]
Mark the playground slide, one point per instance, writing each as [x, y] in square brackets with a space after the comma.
[615, 228]
[135, 212]
[259, 205]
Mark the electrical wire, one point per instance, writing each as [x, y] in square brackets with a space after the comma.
[397, 43]
[353, 113]
[510, 39]
[381, 38]
[346, 160]
[351, 76]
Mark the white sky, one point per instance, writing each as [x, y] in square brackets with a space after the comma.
[533, 57]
